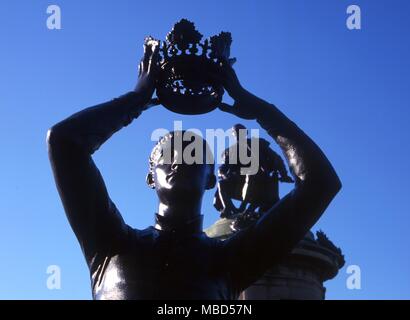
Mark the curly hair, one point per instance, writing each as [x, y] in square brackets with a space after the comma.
[157, 151]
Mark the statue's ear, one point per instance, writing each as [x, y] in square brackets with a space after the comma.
[211, 181]
[150, 180]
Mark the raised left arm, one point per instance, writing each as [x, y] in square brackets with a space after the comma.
[250, 252]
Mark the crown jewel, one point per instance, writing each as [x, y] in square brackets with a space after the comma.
[186, 62]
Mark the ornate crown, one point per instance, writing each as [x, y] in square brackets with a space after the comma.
[186, 62]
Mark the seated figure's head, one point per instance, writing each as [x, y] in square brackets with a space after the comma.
[181, 167]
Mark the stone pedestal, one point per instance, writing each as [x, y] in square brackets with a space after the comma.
[300, 275]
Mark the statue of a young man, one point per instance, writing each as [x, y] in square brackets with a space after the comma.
[174, 259]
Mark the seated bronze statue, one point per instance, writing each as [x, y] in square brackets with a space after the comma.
[255, 190]
[174, 259]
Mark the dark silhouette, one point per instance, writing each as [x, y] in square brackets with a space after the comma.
[183, 86]
[255, 190]
[174, 259]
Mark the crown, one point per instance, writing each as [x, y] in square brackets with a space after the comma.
[186, 63]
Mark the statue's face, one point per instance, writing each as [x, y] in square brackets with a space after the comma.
[181, 175]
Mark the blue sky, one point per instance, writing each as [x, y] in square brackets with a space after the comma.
[347, 89]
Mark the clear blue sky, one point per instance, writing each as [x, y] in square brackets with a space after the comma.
[349, 90]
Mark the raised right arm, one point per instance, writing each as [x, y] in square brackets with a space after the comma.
[93, 217]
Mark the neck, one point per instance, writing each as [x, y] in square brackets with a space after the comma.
[175, 217]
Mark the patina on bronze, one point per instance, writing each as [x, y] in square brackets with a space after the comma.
[174, 259]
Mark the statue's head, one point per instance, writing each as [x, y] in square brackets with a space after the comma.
[181, 167]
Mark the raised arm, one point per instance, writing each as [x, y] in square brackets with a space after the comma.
[71, 143]
[252, 251]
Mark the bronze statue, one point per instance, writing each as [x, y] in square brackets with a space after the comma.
[174, 259]
[255, 190]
